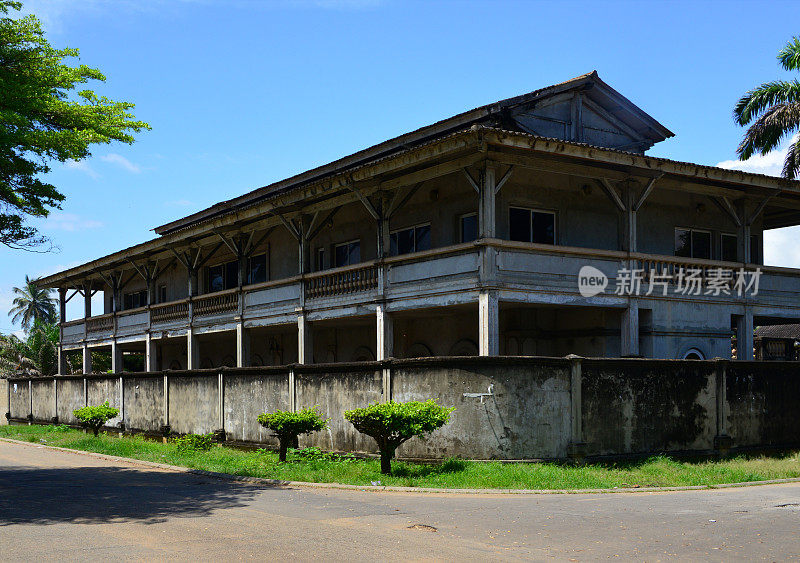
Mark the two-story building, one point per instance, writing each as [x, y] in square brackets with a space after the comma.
[460, 238]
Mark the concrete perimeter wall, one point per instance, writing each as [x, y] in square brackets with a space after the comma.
[506, 407]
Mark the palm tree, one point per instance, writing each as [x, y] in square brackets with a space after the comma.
[35, 356]
[33, 304]
[774, 110]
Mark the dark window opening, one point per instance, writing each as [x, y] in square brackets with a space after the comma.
[413, 239]
[347, 254]
[526, 225]
[756, 256]
[728, 248]
[162, 293]
[468, 227]
[692, 244]
[135, 299]
[257, 269]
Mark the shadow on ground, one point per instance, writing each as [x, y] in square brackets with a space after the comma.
[96, 495]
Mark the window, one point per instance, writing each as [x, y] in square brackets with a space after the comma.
[690, 243]
[347, 253]
[413, 239]
[528, 225]
[257, 269]
[755, 250]
[135, 299]
[320, 260]
[728, 247]
[162, 293]
[468, 227]
[222, 276]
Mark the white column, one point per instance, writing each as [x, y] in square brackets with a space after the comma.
[192, 350]
[488, 324]
[744, 336]
[629, 333]
[385, 333]
[242, 346]
[150, 353]
[87, 359]
[116, 357]
[305, 341]
[487, 215]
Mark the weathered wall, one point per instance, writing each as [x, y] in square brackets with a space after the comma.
[194, 402]
[527, 415]
[506, 407]
[145, 395]
[763, 402]
[335, 389]
[249, 393]
[4, 406]
[637, 406]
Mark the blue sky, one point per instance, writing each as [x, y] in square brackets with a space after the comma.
[245, 92]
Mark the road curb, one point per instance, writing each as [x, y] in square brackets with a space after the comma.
[380, 488]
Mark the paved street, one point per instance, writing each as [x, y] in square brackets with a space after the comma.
[62, 506]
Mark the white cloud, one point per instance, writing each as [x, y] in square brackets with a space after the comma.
[81, 166]
[770, 164]
[121, 161]
[68, 222]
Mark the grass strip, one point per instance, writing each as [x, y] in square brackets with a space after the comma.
[312, 465]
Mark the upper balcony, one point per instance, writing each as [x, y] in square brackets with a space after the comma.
[453, 275]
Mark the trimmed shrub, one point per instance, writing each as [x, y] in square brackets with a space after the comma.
[391, 424]
[194, 442]
[287, 426]
[95, 417]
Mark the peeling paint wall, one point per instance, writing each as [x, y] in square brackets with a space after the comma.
[506, 407]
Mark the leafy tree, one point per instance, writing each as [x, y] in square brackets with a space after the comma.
[774, 110]
[95, 417]
[392, 424]
[44, 118]
[36, 355]
[288, 425]
[32, 304]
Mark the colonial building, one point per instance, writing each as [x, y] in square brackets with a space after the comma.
[463, 237]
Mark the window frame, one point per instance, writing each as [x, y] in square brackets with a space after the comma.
[346, 243]
[531, 211]
[461, 228]
[412, 228]
[692, 230]
[163, 287]
[722, 236]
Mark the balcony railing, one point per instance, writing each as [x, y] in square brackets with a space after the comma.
[169, 311]
[216, 303]
[342, 281]
[100, 324]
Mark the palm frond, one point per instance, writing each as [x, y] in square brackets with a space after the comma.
[791, 165]
[789, 56]
[769, 130]
[757, 100]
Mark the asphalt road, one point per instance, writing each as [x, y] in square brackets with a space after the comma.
[63, 506]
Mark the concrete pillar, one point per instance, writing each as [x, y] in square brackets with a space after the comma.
[87, 301]
[242, 346]
[385, 333]
[629, 331]
[576, 448]
[744, 336]
[487, 214]
[192, 350]
[305, 341]
[116, 357]
[488, 324]
[150, 353]
[193, 283]
[87, 359]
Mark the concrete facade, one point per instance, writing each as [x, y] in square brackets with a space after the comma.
[506, 407]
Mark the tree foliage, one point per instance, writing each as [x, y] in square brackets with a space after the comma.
[392, 424]
[95, 417]
[287, 425]
[32, 304]
[37, 355]
[44, 117]
[773, 112]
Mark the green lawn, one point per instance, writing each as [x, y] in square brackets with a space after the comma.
[308, 465]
